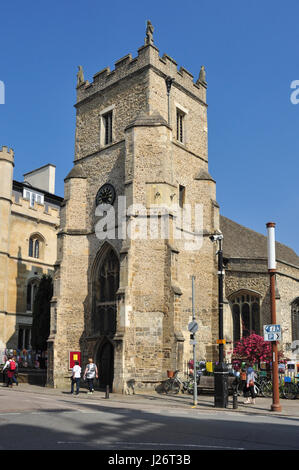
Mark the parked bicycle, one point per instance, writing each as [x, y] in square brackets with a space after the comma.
[173, 384]
[290, 390]
[188, 385]
[287, 390]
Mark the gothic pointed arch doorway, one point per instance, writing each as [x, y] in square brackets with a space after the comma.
[104, 312]
[105, 362]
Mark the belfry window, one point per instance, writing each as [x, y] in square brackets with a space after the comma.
[245, 307]
[180, 126]
[107, 122]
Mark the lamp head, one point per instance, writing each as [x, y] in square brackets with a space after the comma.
[216, 236]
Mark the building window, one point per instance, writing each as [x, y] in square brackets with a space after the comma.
[33, 197]
[182, 193]
[245, 309]
[32, 287]
[106, 285]
[24, 337]
[295, 319]
[107, 123]
[180, 126]
[35, 245]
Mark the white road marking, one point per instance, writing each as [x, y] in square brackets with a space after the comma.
[156, 444]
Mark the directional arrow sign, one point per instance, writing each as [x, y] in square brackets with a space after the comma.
[272, 328]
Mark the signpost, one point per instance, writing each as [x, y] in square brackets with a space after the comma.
[193, 327]
[272, 333]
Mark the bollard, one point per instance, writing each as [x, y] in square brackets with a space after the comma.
[107, 391]
[235, 399]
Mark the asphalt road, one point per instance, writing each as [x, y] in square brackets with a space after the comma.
[44, 421]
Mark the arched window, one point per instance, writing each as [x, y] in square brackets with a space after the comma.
[245, 307]
[245, 319]
[295, 319]
[32, 287]
[35, 244]
[236, 322]
[105, 286]
[36, 248]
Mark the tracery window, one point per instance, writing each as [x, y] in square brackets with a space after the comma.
[35, 245]
[245, 308]
[105, 287]
[295, 319]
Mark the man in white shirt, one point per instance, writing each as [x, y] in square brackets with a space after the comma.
[76, 376]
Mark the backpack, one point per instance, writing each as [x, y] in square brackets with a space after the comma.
[12, 365]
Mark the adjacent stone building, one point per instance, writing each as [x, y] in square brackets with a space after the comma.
[29, 215]
[122, 294]
[247, 287]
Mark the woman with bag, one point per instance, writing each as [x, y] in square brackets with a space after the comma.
[250, 379]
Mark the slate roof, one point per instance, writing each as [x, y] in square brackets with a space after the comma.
[76, 172]
[242, 242]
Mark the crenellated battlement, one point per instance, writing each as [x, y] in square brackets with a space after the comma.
[22, 206]
[148, 57]
[6, 153]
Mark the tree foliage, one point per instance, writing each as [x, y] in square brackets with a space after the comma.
[41, 314]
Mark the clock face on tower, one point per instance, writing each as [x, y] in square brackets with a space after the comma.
[105, 195]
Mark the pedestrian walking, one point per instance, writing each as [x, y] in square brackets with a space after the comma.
[250, 379]
[90, 373]
[4, 372]
[15, 379]
[10, 366]
[76, 376]
[243, 385]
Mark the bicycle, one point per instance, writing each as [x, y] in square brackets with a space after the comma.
[267, 388]
[173, 384]
[290, 390]
[287, 390]
[188, 385]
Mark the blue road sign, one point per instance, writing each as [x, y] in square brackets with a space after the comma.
[272, 333]
[272, 328]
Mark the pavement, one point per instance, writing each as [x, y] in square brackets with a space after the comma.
[151, 400]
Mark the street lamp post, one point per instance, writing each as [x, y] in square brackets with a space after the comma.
[220, 370]
[272, 273]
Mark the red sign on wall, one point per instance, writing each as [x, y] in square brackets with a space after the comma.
[74, 356]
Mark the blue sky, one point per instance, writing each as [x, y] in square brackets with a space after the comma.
[250, 53]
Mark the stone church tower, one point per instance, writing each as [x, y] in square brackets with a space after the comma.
[125, 298]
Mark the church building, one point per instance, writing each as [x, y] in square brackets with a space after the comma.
[138, 212]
